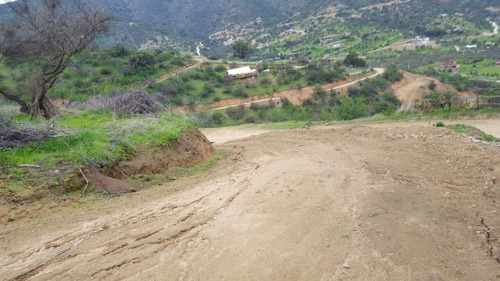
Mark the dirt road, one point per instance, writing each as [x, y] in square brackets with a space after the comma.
[294, 96]
[306, 93]
[174, 72]
[358, 201]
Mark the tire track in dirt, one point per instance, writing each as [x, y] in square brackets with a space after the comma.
[352, 202]
[128, 244]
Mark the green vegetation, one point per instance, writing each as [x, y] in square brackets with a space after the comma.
[282, 27]
[242, 49]
[211, 83]
[440, 124]
[97, 73]
[472, 131]
[367, 99]
[352, 59]
[100, 136]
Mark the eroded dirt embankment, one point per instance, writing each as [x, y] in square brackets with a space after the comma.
[190, 149]
[399, 201]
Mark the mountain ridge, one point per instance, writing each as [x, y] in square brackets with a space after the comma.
[184, 24]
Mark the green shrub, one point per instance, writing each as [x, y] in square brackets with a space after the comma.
[120, 51]
[241, 92]
[210, 89]
[351, 108]
[218, 118]
[237, 112]
[220, 68]
[106, 71]
[142, 60]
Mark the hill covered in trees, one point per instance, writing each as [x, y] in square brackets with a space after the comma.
[183, 25]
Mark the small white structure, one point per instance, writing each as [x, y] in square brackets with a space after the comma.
[470, 46]
[334, 46]
[423, 41]
[242, 72]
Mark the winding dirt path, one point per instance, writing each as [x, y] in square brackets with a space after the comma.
[295, 96]
[174, 72]
[358, 201]
[495, 28]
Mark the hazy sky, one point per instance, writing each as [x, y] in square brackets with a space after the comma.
[5, 1]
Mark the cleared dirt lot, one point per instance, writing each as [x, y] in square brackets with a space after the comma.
[362, 201]
[412, 85]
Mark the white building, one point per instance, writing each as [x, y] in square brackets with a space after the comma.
[423, 41]
[242, 72]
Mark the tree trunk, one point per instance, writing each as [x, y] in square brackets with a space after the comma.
[42, 106]
[24, 106]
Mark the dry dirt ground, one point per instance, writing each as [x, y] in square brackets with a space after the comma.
[411, 86]
[356, 201]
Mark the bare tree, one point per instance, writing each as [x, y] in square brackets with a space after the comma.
[46, 34]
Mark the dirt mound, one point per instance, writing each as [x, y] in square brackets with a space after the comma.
[191, 148]
[412, 86]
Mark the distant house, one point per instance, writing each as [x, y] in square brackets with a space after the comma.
[329, 38]
[448, 65]
[455, 30]
[455, 72]
[423, 41]
[242, 72]
[470, 47]
[334, 45]
[296, 54]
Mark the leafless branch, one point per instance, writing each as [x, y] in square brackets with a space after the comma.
[45, 262]
[86, 180]
[87, 160]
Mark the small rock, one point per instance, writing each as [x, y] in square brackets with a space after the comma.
[476, 141]
[345, 265]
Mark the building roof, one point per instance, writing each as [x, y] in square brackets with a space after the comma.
[449, 63]
[241, 70]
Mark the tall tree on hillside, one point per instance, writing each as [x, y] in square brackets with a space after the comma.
[45, 34]
[242, 49]
[352, 59]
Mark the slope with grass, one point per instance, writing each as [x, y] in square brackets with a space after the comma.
[101, 144]
[294, 96]
[102, 72]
